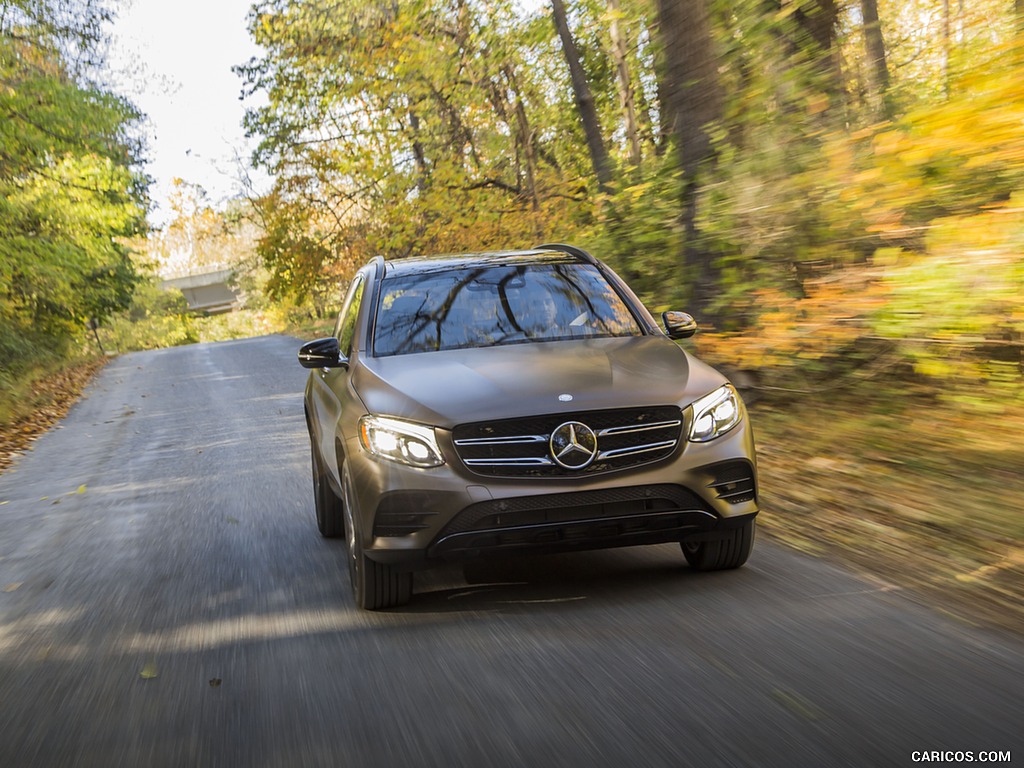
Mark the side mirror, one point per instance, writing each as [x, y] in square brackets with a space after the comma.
[679, 325]
[322, 353]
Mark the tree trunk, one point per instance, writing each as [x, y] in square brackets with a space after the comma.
[692, 101]
[620, 51]
[819, 19]
[584, 100]
[422, 169]
[878, 69]
[526, 137]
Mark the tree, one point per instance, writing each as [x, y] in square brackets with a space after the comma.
[693, 102]
[816, 21]
[69, 189]
[584, 99]
[876, 60]
[415, 127]
[627, 101]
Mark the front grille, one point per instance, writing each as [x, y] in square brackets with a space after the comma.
[626, 437]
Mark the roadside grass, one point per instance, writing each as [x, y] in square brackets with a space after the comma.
[309, 328]
[920, 491]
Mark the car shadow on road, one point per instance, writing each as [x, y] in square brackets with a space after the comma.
[609, 577]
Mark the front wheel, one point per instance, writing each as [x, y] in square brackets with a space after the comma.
[720, 554]
[374, 585]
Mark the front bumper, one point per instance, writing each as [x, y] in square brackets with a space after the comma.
[413, 518]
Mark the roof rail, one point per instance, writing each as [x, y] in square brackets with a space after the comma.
[570, 249]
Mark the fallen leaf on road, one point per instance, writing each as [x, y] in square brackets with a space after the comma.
[215, 682]
[81, 489]
[12, 587]
[149, 671]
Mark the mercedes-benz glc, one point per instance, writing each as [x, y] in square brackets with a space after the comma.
[514, 402]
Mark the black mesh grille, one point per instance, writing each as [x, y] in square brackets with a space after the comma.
[403, 513]
[734, 481]
[626, 438]
[569, 507]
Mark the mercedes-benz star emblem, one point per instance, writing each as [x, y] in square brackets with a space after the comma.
[573, 445]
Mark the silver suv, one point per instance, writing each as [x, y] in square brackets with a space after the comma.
[517, 402]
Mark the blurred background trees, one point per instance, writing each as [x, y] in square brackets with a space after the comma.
[70, 187]
[824, 183]
[789, 170]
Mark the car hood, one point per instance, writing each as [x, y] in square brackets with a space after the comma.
[467, 385]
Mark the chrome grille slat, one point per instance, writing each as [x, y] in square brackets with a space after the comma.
[511, 440]
[627, 437]
[619, 452]
[523, 461]
[645, 428]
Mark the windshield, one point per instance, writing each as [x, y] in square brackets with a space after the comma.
[492, 305]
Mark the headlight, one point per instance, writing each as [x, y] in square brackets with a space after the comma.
[401, 441]
[715, 414]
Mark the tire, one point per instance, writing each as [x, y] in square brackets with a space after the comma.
[374, 585]
[729, 551]
[330, 515]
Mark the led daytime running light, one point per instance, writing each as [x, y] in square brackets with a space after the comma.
[715, 414]
[400, 441]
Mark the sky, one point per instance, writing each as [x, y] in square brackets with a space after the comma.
[173, 61]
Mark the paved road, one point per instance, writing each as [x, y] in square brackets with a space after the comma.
[166, 601]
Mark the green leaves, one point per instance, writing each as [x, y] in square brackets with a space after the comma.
[416, 126]
[69, 188]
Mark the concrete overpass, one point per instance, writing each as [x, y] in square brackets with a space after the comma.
[209, 292]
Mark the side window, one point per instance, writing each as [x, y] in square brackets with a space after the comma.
[349, 313]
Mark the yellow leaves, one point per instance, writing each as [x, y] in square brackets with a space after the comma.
[920, 154]
[637, 191]
[51, 397]
[817, 103]
[78, 492]
[833, 315]
[987, 158]
[1013, 560]
[888, 143]
[991, 234]
[869, 176]
[787, 10]
[149, 671]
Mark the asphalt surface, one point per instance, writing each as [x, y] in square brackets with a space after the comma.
[165, 600]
